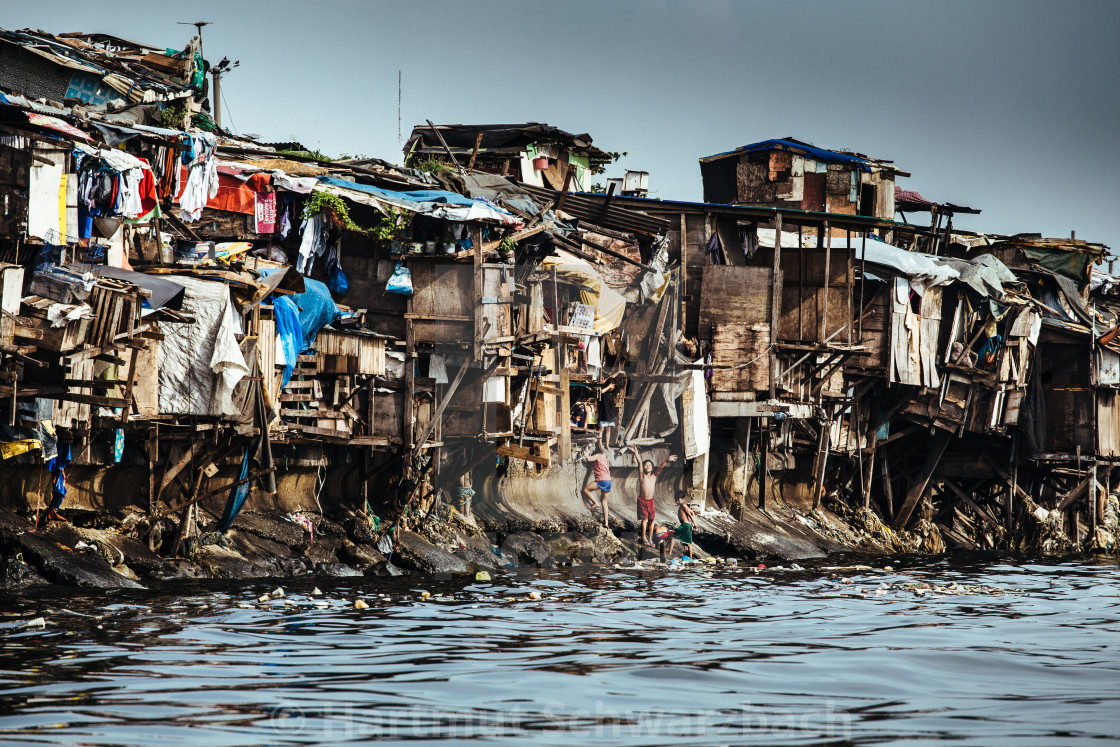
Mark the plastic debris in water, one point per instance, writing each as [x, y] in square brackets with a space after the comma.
[360, 605]
[303, 521]
[482, 576]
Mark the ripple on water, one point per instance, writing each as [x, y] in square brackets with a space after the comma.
[697, 656]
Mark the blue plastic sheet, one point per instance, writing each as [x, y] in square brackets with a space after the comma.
[290, 332]
[316, 309]
[420, 195]
[237, 496]
[819, 154]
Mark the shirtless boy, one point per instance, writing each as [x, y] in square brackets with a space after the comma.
[647, 483]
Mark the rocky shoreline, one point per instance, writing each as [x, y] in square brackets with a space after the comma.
[121, 549]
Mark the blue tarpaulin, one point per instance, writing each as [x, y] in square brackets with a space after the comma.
[237, 496]
[819, 154]
[290, 332]
[420, 195]
[315, 306]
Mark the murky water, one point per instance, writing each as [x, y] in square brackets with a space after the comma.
[697, 656]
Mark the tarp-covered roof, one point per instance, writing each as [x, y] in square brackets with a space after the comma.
[819, 154]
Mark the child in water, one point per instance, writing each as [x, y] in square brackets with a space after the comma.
[663, 534]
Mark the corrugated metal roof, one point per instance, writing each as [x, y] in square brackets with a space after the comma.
[594, 209]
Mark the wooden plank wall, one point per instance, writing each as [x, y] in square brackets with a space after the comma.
[876, 328]
[442, 290]
[739, 356]
[1108, 423]
[733, 295]
[368, 352]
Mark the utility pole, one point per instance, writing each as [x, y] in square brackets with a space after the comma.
[216, 71]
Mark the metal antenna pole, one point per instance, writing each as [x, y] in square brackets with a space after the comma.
[198, 25]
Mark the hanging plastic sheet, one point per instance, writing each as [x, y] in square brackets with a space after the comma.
[237, 496]
[289, 336]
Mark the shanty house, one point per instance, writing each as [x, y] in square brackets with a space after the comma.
[792, 174]
[535, 154]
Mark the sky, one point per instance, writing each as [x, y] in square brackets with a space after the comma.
[1006, 106]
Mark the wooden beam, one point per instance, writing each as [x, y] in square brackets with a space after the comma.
[520, 452]
[971, 504]
[1078, 492]
[443, 405]
[775, 304]
[214, 492]
[490, 246]
[444, 144]
[936, 450]
[474, 153]
[888, 491]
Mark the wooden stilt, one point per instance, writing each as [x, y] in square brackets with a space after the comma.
[888, 493]
[764, 450]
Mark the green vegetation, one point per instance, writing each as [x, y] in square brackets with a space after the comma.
[316, 155]
[391, 225]
[331, 207]
[429, 165]
[173, 116]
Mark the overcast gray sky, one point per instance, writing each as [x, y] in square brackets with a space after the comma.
[1010, 107]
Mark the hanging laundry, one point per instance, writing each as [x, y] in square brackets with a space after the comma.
[314, 243]
[286, 221]
[202, 180]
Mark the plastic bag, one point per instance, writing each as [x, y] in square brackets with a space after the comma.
[336, 280]
[401, 282]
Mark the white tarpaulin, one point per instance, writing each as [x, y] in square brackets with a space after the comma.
[43, 202]
[201, 363]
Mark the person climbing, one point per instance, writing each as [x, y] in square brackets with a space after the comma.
[608, 406]
[665, 536]
[601, 465]
[647, 484]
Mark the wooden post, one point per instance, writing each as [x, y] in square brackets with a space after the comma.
[126, 410]
[870, 473]
[474, 153]
[746, 463]
[862, 283]
[850, 274]
[153, 457]
[820, 464]
[888, 492]
[800, 284]
[564, 192]
[565, 378]
[763, 472]
[775, 309]
[409, 381]
[823, 309]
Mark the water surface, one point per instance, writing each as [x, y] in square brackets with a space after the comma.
[1017, 652]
